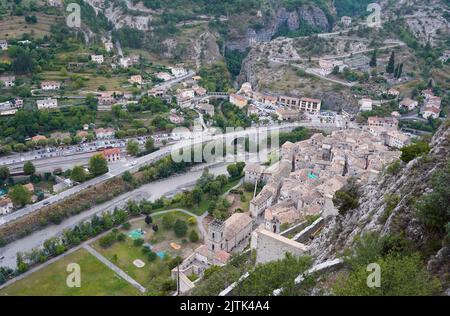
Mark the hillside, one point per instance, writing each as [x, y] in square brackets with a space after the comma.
[407, 209]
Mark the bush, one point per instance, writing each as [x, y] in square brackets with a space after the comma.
[168, 221]
[347, 198]
[126, 225]
[401, 276]
[193, 236]
[107, 240]
[151, 256]
[138, 242]
[395, 167]
[180, 228]
[414, 150]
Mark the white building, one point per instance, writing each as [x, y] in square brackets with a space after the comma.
[164, 76]
[135, 79]
[108, 46]
[346, 21]
[47, 104]
[445, 56]
[431, 111]
[104, 133]
[365, 104]
[396, 139]
[97, 59]
[310, 105]
[178, 71]
[393, 92]
[408, 104]
[6, 206]
[50, 85]
[8, 81]
[3, 45]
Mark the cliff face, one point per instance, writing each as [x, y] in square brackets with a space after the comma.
[305, 14]
[412, 182]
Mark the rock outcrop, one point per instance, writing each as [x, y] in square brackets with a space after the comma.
[413, 181]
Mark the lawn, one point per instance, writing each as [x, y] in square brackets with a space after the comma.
[123, 253]
[96, 280]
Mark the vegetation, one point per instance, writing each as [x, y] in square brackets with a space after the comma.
[398, 264]
[433, 208]
[414, 150]
[273, 275]
[98, 165]
[347, 198]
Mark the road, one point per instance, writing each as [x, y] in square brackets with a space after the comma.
[118, 169]
[150, 191]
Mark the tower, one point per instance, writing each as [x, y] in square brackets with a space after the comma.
[215, 240]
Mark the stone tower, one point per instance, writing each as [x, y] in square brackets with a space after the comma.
[215, 241]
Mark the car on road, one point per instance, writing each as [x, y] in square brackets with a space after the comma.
[46, 203]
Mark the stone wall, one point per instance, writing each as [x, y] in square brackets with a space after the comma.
[271, 247]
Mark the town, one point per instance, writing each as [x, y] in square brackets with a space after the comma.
[317, 117]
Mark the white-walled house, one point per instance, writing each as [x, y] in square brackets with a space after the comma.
[47, 104]
[97, 59]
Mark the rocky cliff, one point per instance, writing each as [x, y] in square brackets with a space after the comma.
[305, 14]
[373, 215]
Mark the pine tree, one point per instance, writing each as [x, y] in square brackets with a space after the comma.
[391, 65]
[396, 71]
[373, 61]
[400, 71]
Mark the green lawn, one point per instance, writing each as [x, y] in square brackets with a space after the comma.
[122, 254]
[96, 280]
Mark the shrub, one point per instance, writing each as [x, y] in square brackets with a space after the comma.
[193, 236]
[347, 198]
[168, 221]
[395, 167]
[180, 228]
[414, 150]
[151, 256]
[400, 276]
[138, 242]
[126, 225]
[107, 240]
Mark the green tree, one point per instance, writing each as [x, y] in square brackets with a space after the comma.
[4, 173]
[373, 60]
[168, 221]
[78, 174]
[390, 68]
[193, 236]
[127, 176]
[347, 198]
[98, 165]
[149, 145]
[29, 168]
[414, 150]
[180, 228]
[20, 195]
[132, 147]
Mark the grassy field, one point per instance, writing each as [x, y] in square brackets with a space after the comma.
[124, 253]
[96, 279]
[15, 26]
